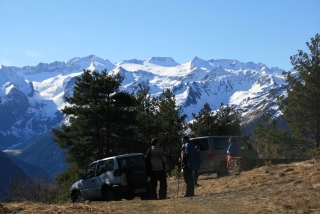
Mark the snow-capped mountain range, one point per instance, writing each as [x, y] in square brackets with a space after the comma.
[32, 96]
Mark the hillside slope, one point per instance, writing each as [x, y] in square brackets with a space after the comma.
[8, 170]
[45, 153]
[285, 188]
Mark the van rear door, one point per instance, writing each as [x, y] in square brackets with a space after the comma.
[205, 154]
[246, 149]
[221, 145]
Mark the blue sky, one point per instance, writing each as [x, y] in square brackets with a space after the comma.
[266, 31]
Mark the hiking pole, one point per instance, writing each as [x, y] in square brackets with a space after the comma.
[179, 173]
[178, 182]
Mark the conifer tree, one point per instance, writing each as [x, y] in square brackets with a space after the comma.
[270, 140]
[100, 115]
[228, 120]
[146, 127]
[171, 124]
[301, 106]
[224, 121]
[204, 122]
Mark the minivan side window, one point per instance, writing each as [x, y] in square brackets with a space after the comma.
[91, 171]
[104, 166]
[242, 144]
[221, 143]
[201, 142]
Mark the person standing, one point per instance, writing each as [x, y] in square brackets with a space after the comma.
[195, 172]
[155, 163]
[232, 151]
[190, 161]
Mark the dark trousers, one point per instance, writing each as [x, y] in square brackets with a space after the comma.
[188, 179]
[161, 177]
[195, 177]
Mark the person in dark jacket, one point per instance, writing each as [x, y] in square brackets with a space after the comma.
[190, 161]
[195, 172]
[155, 162]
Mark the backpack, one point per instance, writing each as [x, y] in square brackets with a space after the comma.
[193, 156]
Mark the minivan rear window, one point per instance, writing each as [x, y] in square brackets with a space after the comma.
[125, 162]
[201, 142]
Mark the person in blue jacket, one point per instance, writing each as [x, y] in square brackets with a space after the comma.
[190, 161]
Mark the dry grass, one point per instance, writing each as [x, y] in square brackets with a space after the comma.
[286, 188]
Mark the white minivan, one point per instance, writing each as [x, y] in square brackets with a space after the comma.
[213, 151]
[113, 178]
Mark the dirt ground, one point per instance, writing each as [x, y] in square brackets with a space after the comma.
[285, 188]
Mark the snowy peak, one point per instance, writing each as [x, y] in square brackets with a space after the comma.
[131, 61]
[10, 80]
[42, 89]
[162, 61]
[84, 61]
[91, 62]
[197, 62]
[158, 61]
[45, 68]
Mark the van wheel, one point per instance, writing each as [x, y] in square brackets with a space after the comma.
[223, 171]
[130, 197]
[76, 197]
[108, 195]
[144, 197]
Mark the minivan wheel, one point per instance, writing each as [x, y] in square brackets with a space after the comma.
[76, 197]
[130, 197]
[144, 196]
[108, 195]
[223, 171]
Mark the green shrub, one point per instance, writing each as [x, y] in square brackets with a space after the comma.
[176, 172]
[32, 189]
[313, 153]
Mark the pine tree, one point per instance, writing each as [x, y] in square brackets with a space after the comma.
[100, 116]
[224, 121]
[171, 124]
[228, 120]
[204, 122]
[270, 140]
[146, 127]
[301, 107]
